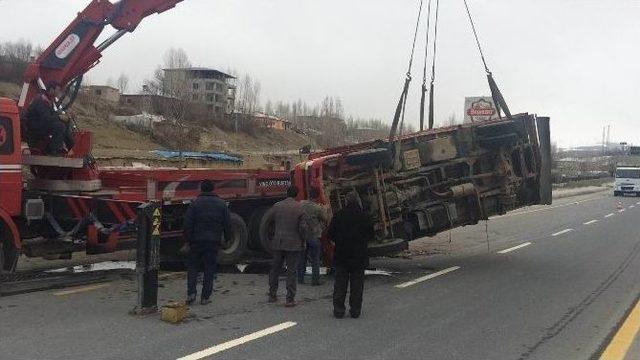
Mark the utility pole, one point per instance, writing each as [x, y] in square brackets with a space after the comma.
[603, 132]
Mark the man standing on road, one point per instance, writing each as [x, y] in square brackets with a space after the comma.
[206, 220]
[350, 230]
[315, 225]
[286, 244]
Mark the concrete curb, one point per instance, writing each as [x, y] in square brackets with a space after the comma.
[562, 193]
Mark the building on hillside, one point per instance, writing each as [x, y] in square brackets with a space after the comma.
[153, 104]
[104, 92]
[211, 87]
[271, 122]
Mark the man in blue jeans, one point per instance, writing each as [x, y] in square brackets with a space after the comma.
[314, 227]
[207, 219]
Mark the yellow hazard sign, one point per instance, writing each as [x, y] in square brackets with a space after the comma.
[156, 223]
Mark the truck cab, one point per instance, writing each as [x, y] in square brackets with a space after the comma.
[627, 181]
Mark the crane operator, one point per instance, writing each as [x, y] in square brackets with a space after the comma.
[46, 129]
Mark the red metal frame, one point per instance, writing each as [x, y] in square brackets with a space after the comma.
[74, 52]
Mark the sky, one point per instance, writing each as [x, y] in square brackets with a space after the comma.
[576, 61]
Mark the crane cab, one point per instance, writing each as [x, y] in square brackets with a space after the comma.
[10, 158]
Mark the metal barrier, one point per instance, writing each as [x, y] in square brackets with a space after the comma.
[148, 258]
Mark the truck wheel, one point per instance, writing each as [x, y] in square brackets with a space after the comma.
[370, 157]
[1, 258]
[255, 219]
[267, 230]
[8, 253]
[231, 250]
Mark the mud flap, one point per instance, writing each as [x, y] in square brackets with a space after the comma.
[544, 140]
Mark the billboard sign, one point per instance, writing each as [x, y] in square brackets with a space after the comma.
[479, 108]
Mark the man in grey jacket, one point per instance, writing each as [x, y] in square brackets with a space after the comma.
[286, 244]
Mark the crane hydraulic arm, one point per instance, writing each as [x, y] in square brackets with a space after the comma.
[74, 52]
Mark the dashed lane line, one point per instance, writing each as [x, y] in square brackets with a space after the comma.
[427, 277]
[631, 206]
[237, 342]
[590, 222]
[562, 232]
[514, 248]
[609, 215]
[546, 208]
[623, 339]
[80, 290]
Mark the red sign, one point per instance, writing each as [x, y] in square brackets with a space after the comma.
[481, 108]
[3, 135]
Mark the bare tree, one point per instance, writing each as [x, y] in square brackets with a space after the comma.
[123, 83]
[248, 95]
[176, 58]
[268, 108]
[155, 85]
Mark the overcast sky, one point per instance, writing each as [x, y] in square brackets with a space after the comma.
[576, 61]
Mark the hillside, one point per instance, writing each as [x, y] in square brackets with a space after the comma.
[113, 140]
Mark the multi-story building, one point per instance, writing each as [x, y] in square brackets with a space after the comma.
[202, 85]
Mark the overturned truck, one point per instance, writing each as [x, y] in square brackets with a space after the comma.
[430, 181]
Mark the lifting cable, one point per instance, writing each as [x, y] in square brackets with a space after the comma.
[498, 99]
[402, 102]
[424, 70]
[433, 65]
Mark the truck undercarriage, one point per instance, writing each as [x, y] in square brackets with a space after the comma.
[444, 178]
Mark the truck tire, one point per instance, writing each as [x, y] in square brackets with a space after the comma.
[2, 271]
[9, 255]
[267, 230]
[370, 157]
[232, 250]
[255, 219]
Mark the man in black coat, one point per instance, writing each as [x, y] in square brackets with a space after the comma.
[350, 230]
[45, 127]
[207, 219]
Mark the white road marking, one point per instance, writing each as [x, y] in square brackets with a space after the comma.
[427, 277]
[631, 206]
[562, 232]
[638, 203]
[516, 213]
[609, 215]
[591, 222]
[233, 343]
[80, 290]
[514, 248]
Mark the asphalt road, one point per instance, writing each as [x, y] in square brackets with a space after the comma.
[556, 283]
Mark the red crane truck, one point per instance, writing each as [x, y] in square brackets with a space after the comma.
[69, 204]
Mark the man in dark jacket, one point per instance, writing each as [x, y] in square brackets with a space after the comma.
[350, 230]
[207, 219]
[45, 127]
[287, 244]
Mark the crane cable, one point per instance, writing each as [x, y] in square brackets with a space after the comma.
[402, 102]
[498, 99]
[424, 70]
[433, 65]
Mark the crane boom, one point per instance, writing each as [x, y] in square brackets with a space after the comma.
[74, 51]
